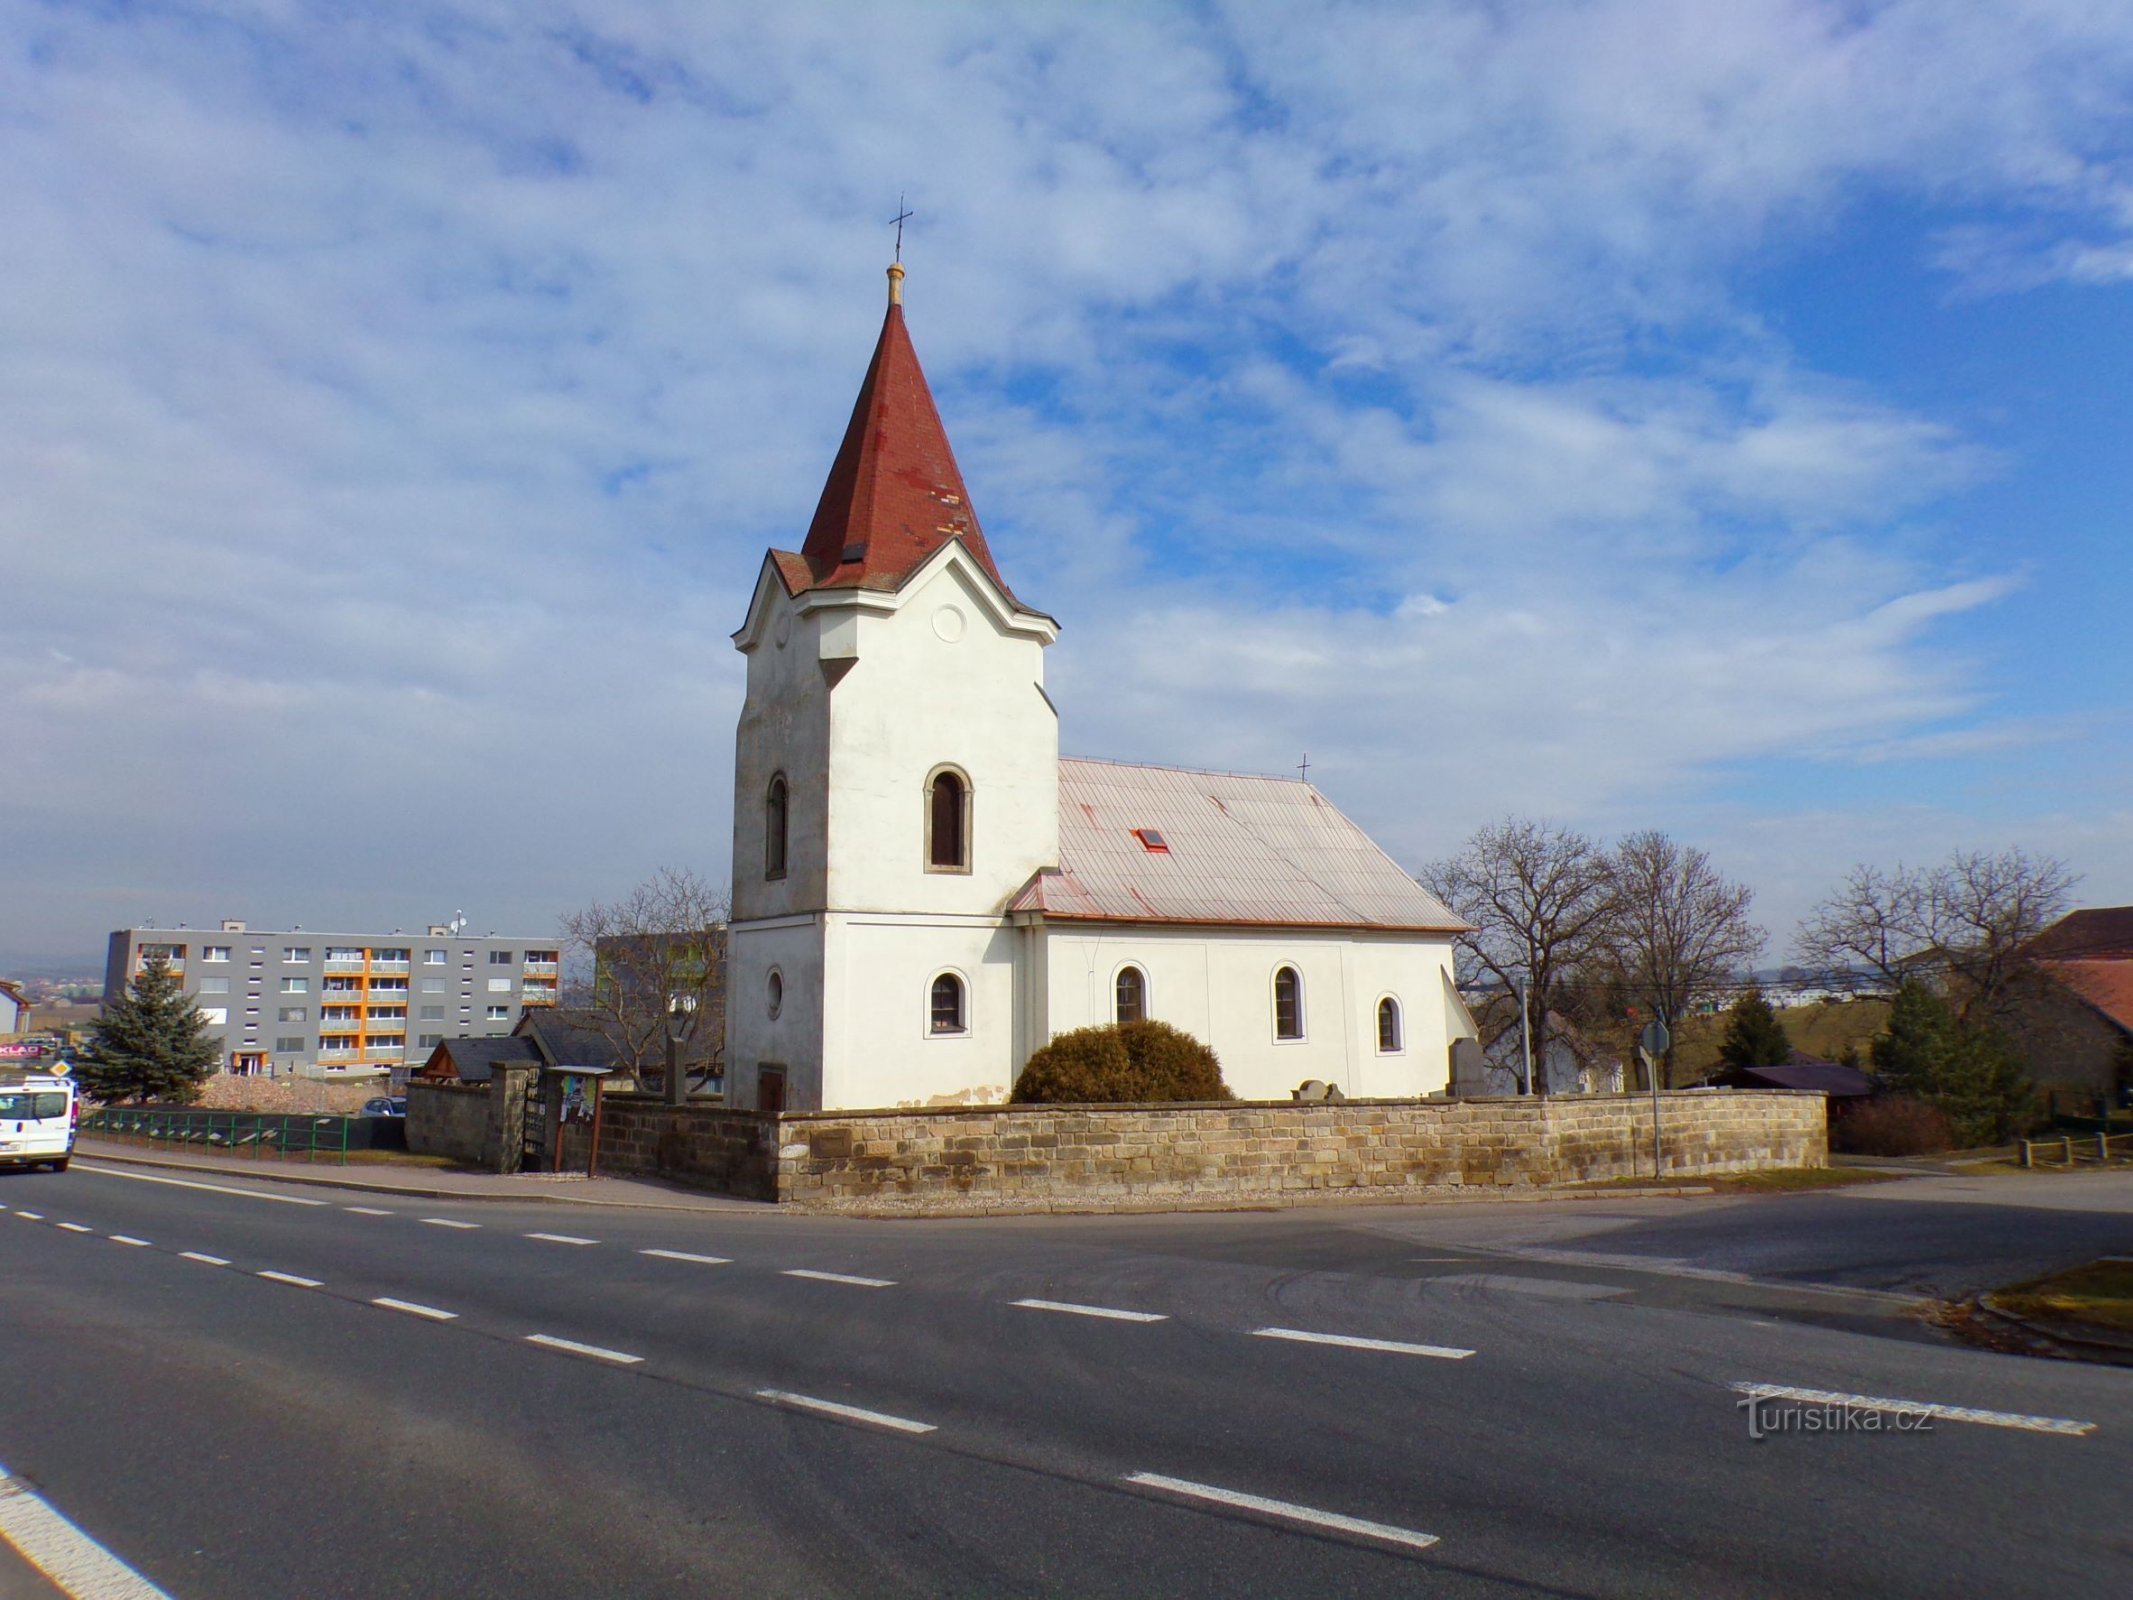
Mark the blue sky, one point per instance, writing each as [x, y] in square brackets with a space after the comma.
[1636, 414]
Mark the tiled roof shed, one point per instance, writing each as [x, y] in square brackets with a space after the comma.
[1159, 844]
[2105, 985]
[2081, 935]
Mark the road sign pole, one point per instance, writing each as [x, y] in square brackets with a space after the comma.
[1652, 1045]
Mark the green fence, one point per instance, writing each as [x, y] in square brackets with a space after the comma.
[244, 1133]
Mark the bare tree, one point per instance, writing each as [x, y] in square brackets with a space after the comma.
[658, 991]
[1987, 908]
[1680, 933]
[1870, 930]
[1967, 921]
[1541, 900]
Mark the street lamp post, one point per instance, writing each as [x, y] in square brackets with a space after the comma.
[681, 1022]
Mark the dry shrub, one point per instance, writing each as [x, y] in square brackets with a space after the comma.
[1123, 1064]
[1893, 1125]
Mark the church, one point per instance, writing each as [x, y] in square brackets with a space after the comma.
[925, 891]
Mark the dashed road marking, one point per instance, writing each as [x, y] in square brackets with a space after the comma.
[684, 1255]
[831, 1408]
[449, 1222]
[551, 1342]
[368, 1211]
[77, 1227]
[1443, 1352]
[414, 1310]
[211, 1188]
[127, 1238]
[290, 1277]
[840, 1277]
[34, 1216]
[75, 1563]
[1283, 1509]
[1072, 1309]
[204, 1259]
[1918, 1408]
[562, 1238]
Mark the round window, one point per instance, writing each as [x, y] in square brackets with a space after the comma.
[777, 995]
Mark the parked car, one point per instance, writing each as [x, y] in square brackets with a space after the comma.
[386, 1105]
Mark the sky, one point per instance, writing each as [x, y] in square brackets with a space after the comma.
[1640, 413]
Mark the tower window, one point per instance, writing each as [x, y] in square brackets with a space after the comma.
[1288, 1004]
[777, 808]
[1388, 1026]
[945, 1010]
[1132, 995]
[947, 822]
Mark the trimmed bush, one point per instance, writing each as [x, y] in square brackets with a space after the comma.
[1121, 1064]
[1892, 1125]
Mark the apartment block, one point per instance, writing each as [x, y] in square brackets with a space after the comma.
[298, 1001]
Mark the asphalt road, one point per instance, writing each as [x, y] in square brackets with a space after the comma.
[420, 1408]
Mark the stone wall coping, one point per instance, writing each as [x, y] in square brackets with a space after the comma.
[1143, 1107]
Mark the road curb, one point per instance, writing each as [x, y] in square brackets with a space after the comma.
[730, 1206]
[413, 1191]
[2102, 1352]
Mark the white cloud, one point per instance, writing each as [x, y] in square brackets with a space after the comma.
[399, 400]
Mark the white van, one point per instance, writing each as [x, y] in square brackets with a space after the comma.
[37, 1114]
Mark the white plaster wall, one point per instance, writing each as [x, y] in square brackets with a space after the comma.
[879, 1049]
[784, 727]
[793, 1039]
[1219, 987]
[914, 701]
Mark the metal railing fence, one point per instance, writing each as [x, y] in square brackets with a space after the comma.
[260, 1134]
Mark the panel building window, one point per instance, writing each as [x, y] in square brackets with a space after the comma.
[946, 1011]
[777, 809]
[1388, 1026]
[1288, 1004]
[1131, 1003]
[947, 822]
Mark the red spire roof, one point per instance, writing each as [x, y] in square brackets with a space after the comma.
[894, 495]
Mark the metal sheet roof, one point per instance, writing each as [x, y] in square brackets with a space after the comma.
[1268, 851]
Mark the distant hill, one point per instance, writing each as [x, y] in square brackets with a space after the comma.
[33, 964]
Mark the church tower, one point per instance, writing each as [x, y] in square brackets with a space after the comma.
[896, 782]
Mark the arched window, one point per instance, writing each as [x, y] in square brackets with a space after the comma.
[1388, 1026]
[777, 808]
[1132, 995]
[776, 995]
[947, 822]
[945, 1007]
[1288, 1004]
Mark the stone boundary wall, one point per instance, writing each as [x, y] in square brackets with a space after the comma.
[734, 1152]
[451, 1119]
[1078, 1158]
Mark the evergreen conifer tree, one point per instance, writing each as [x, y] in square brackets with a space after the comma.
[1754, 1036]
[1965, 1069]
[150, 1044]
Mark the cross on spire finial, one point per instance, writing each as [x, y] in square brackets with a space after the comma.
[1303, 767]
[903, 215]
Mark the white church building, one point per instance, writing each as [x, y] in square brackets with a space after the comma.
[925, 890]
